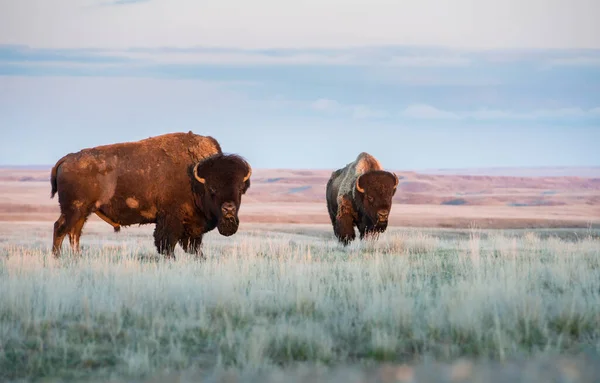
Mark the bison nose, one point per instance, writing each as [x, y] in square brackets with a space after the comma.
[383, 214]
[228, 208]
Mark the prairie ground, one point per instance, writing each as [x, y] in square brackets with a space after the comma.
[561, 198]
[286, 303]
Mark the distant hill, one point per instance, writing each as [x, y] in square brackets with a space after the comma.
[498, 197]
[26, 167]
[590, 171]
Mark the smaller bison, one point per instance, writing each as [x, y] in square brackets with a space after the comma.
[360, 194]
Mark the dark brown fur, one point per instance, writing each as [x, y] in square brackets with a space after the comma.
[349, 207]
[142, 182]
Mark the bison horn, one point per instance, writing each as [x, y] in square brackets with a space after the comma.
[248, 175]
[200, 179]
[358, 186]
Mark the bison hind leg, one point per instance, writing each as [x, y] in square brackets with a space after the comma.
[70, 222]
[59, 234]
[75, 234]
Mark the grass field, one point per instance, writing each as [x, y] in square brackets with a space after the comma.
[289, 304]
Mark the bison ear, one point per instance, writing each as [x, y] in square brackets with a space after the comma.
[361, 190]
[198, 178]
[397, 180]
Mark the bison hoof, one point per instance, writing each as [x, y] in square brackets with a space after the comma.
[345, 240]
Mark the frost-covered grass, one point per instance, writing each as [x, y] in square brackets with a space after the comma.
[265, 300]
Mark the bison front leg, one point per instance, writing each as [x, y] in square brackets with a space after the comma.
[344, 222]
[365, 228]
[370, 230]
[59, 235]
[370, 234]
[167, 233]
[362, 230]
[193, 245]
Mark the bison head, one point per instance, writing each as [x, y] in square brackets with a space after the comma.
[375, 190]
[223, 179]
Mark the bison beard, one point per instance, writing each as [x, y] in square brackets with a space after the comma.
[228, 226]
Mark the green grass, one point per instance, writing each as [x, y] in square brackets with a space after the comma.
[264, 301]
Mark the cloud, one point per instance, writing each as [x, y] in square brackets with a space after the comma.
[360, 112]
[429, 112]
[477, 24]
[353, 57]
[383, 61]
[125, 2]
[357, 83]
[427, 61]
[324, 104]
[382, 57]
[422, 111]
[354, 111]
[25, 54]
[579, 61]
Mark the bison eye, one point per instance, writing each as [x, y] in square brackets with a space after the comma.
[370, 198]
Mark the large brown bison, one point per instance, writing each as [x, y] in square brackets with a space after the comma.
[360, 194]
[182, 182]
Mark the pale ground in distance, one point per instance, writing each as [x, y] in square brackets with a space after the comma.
[280, 303]
[423, 200]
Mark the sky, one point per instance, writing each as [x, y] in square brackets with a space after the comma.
[419, 84]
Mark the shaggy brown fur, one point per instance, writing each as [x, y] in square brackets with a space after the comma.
[360, 194]
[142, 182]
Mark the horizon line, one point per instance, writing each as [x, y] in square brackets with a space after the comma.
[15, 166]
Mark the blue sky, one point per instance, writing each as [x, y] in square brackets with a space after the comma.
[289, 88]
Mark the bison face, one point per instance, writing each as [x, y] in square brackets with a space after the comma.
[223, 180]
[375, 190]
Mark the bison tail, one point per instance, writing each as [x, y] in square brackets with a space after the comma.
[53, 182]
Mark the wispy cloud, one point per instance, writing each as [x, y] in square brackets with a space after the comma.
[338, 57]
[385, 83]
[579, 61]
[383, 58]
[429, 112]
[355, 111]
[124, 2]
[423, 111]
[25, 54]
[211, 56]
[472, 24]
